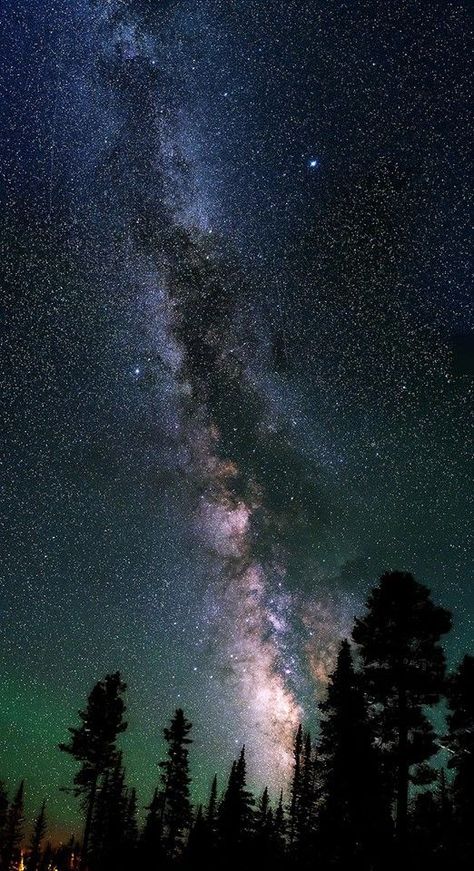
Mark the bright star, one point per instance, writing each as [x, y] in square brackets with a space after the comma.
[313, 163]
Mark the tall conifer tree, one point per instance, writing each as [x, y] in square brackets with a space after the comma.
[399, 642]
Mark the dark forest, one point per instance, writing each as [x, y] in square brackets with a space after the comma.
[367, 791]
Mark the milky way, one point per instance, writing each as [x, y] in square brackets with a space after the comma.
[236, 279]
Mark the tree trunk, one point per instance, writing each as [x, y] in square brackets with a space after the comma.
[402, 778]
[88, 825]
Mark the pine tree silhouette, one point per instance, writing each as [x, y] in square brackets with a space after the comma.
[296, 785]
[279, 832]
[404, 666]
[151, 840]
[176, 810]
[37, 836]
[93, 744]
[13, 829]
[460, 692]
[211, 812]
[235, 823]
[131, 825]
[352, 818]
[3, 815]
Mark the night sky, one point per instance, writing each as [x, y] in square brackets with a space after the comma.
[236, 359]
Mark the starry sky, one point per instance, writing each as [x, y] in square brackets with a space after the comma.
[237, 359]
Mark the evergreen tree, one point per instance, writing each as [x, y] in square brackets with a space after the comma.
[296, 784]
[93, 744]
[264, 832]
[39, 831]
[404, 666]
[13, 829]
[110, 848]
[151, 840]
[352, 815]
[46, 863]
[460, 692]
[3, 814]
[198, 852]
[131, 826]
[305, 808]
[211, 813]
[236, 811]
[279, 828]
[176, 812]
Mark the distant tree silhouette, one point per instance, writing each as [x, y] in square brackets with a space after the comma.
[150, 845]
[295, 794]
[404, 668]
[211, 812]
[39, 831]
[131, 826]
[13, 832]
[352, 818]
[198, 853]
[235, 824]
[263, 829]
[460, 692]
[47, 858]
[3, 815]
[108, 841]
[93, 744]
[176, 808]
[279, 831]
[306, 808]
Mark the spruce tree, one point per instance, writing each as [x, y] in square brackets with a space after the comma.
[264, 832]
[198, 853]
[305, 809]
[131, 826]
[211, 812]
[460, 692]
[109, 830]
[3, 814]
[93, 744]
[176, 811]
[296, 784]
[404, 666]
[151, 840]
[13, 829]
[280, 828]
[236, 811]
[39, 831]
[352, 817]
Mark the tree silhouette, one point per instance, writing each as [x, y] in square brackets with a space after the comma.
[199, 847]
[404, 667]
[236, 812]
[176, 809]
[3, 814]
[150, 843]
[37, 836]
[296, 784]
[264, 830]
[279, 831]
[93, 744]
[211, 812]
[108, 841]
[13, 832]
[352, 797]
[460, 692]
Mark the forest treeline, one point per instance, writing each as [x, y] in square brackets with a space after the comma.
[367, 792]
